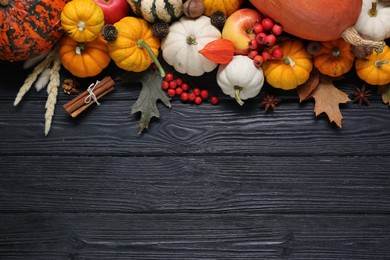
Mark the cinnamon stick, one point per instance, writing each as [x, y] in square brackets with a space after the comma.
[78, 104]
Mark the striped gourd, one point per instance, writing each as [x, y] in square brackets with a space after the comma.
[152, 10]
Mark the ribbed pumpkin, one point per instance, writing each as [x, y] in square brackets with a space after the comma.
[82, 20]
[291, 70]
[375, 69]
[29, 28]
[226, 6]
[84, 59]
[334, 58]
[135, 45]
[153, 10]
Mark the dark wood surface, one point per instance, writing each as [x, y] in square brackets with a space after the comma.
[204, 182]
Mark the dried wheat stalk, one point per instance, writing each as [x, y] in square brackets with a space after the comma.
[52, 91]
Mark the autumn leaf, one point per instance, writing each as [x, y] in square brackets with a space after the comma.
[147, 100]
[385, 92]
[307, 88]
[327, 99]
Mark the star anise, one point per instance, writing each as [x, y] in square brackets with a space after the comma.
[270, 102]
[361, 95]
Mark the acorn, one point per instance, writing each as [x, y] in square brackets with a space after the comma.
[193, 8]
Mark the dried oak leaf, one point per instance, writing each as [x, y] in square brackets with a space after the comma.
[327, 99]
[385, 92]
[150, 93]
[307, 88]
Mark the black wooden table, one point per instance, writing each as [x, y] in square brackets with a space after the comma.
[204, 182]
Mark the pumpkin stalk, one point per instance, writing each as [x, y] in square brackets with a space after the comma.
[81, 25]
[4, 2]
[237, 90]
[142, 44]
[379, 63]
[351, 36]
[336, 52]
[288, 61]
[79, 48]
[191, 40]
[373, 12]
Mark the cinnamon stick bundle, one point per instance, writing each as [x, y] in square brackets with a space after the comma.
[84, 100]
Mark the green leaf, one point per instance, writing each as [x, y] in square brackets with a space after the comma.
[150, 93]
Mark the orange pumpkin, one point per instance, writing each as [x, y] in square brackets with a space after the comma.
[375, 68]
[84, 59]
[292, 69]
[334, 58]
[226, 6]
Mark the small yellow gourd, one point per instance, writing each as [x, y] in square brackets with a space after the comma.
[375, 68]
[82, 20]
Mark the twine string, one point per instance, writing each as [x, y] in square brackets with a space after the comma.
[92, 95]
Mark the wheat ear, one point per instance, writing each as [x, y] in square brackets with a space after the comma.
[52, 91]
[29, 81]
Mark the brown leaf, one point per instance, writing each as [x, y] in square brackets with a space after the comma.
[327, 99]
[385, 92]
[307, 88]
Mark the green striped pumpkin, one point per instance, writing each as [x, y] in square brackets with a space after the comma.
[153, 10]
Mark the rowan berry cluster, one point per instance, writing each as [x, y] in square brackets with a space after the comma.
[177, 87]
[260, 47]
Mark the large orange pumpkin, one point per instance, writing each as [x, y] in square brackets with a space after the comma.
[319, 20]
[29, 28]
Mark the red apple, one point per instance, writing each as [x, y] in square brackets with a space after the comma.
[238, 28]
[113, 10]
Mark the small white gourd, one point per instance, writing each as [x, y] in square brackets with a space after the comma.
[374, 20]
[240, 78]
[186, 37]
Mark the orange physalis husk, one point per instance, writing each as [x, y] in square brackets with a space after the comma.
[220, 51]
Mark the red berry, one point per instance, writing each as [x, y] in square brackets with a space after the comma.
[196, 91]
[171, 92]
[277, 53]
[257, 28]
[252, 54]
[258, 60]
[169, 77]
[184, 96]
[277, 29]
[185, 87]
[191, 97]
[204, 93]
[164, 85]
[260, 38]
[179, 81]
[214, 100]
[266, 55]
[179, 91]
[172, 84]
[267, 24]
[198, 100]
[253, 44]
[270, 40]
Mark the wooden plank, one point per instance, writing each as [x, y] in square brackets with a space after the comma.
[193, 236]
[195, 184]
[291, 130]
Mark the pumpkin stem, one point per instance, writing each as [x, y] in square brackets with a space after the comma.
[336, 52]
[143, 44]
[379, 63]
[81, 25]
[4, 2]
[80, 48]
[351, 36]
[288, 61]
[237, 91]
[373, 12]
[191, 40]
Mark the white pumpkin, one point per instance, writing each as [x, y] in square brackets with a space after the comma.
[240, 78]
[185, 39]
[152, 10]
[374, 20]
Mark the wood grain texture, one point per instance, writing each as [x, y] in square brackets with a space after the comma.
[189, 236]
[226, 184]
